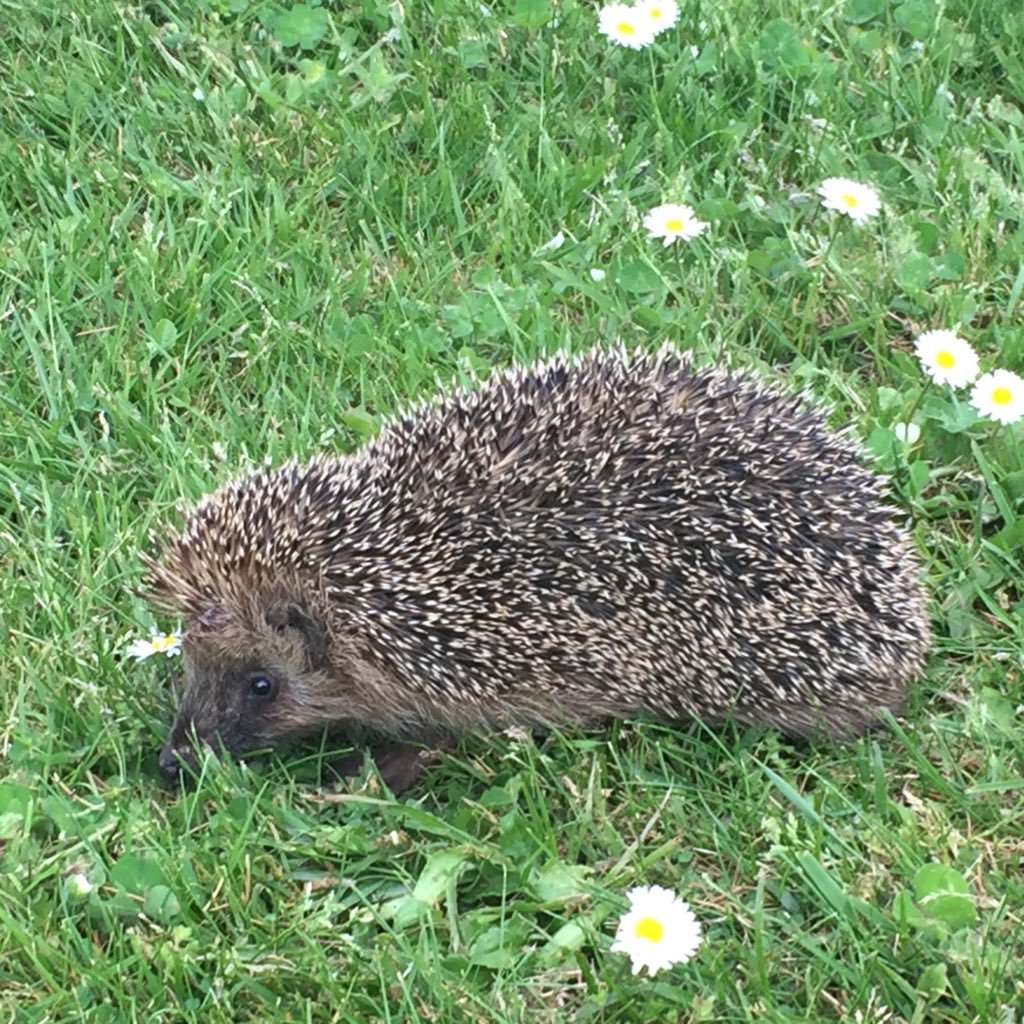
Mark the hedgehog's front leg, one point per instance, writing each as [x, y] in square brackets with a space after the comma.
[400, 764]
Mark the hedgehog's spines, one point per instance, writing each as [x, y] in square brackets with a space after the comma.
[592, 534]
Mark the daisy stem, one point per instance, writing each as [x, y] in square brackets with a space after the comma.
[909, 417]
[1014, 430]
[662, 129]
[832, 236]
[883, 238]
[901, 453]
[901, 476]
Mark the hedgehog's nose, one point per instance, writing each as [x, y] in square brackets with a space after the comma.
[170, 763]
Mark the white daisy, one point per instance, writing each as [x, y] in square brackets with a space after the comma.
[999, 394]
[947, 358]
[625, 25]
[671, 221]
[158, 643]
[658, 930]
[852, 198]
[661, 14]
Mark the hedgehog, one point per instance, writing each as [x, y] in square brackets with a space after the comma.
[612, 535]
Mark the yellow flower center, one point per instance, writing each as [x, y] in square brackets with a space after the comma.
[1001, 396]
[655, 13]
[945, 360]
[848, 200]
[626, 28]
[649, 928]
[163, 643]
[674, 224]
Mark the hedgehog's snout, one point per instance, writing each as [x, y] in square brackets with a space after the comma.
[169, 763]
[179, 756]
[176, 759]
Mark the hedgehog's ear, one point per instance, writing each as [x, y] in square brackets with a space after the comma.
[290, 617]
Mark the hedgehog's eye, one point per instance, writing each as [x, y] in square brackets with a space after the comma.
[262, 687]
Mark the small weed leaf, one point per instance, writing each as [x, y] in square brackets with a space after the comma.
[568, 939]
[557, 882]
[914, 272]
[15, 800]
[498, 947]
[953, 417]
[916, 17]
[531, 14]
[639, 278]
[144, 887]
[942, 894]
[927, 236]
[164, 335]
[933, 981]
[360, 421]
[906, 911]
[440, 872]
[949, 266]
[161, 904]
[705, 61]
[301, 25]
[782, 49]
[859, 12]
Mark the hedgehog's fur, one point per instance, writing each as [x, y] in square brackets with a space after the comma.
[567, 542]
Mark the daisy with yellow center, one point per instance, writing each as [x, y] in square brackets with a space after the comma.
[856, 201]
[658, 930]
[158, 643]
[999, 394]
[672, 221]
[660, 14]
[626, 25]
[947, 358]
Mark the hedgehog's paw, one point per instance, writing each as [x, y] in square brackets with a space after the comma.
[399, 764]
[342, 768]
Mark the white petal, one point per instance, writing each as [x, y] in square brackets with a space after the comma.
[555, 242]
[906, 433]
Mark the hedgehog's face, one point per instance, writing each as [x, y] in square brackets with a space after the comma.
[251, 680]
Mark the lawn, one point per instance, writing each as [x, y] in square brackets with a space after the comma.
[234, 232]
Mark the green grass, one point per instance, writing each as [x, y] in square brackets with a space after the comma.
[194, 281]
